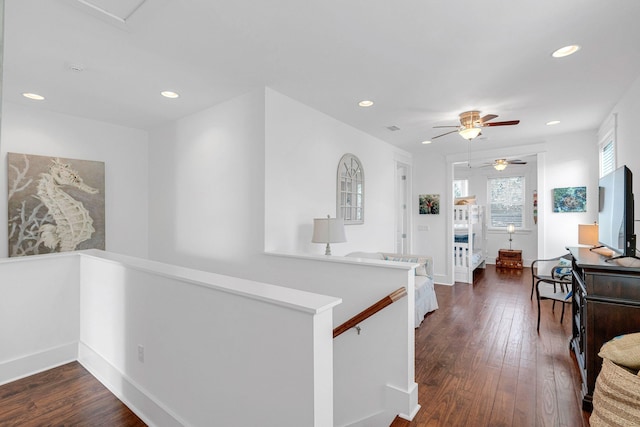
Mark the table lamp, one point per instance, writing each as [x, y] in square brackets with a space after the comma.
[588, 235]
[511, 228]
[328, 230]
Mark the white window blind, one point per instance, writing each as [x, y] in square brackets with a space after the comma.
[607, 158]
[506, 205]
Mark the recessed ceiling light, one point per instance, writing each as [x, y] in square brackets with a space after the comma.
[553, 122]
[33, 96]
[566, 51]
[426, 142]
[365, 103]
[169, 94]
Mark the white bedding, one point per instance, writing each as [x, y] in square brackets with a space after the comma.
[426, 300]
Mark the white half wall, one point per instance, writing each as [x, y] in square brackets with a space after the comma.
[39, 313]
[37, 131]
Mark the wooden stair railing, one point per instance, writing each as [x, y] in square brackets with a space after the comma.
[370, 311]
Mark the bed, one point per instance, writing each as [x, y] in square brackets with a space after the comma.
[469, 248]
[425, 294]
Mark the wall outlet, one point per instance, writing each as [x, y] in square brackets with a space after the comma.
[140, 353]
[423, 228]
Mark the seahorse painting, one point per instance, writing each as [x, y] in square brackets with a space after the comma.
[52, 208]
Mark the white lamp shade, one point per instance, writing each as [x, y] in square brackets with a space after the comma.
[588, 234]
[511, 228]
[469, 133]
[328, 230]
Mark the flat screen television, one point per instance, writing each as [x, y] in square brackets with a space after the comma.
[615, 216]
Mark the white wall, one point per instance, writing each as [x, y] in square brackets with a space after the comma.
[303, 148]
[628, 142]
[430, 231]
[37, 131]
[571, 160]
[206, 187]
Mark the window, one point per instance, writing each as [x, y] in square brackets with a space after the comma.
[607, 158]
[460, 188]
[506, 201]
[607, 145]
[350, 192]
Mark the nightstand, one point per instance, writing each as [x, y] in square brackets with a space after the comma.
[509, 258]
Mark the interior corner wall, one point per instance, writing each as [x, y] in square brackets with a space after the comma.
[628, 143]
[32, 130]
[206, 187]
[303, 148]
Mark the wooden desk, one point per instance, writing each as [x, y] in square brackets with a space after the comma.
[606, 303]
[509, 258]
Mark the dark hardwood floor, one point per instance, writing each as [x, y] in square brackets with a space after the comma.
[479, 362]
[64, 396]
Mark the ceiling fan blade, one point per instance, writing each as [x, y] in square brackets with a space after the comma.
[517, 162]
[457, 126]
[488, 117]
[447, 133]
[507, 123]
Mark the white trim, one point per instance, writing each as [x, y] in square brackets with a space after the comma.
[40, 361]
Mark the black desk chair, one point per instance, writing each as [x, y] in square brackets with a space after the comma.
[555, 276]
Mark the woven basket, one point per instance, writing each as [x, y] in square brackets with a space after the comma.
[616, 398]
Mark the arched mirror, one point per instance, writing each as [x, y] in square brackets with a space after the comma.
[350, 190]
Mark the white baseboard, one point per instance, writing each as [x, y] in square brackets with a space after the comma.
[34, 363]
[140, 401]
[402, 402]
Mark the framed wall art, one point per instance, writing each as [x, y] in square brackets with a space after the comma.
[54, 204]
[429, 204]
[570, 199]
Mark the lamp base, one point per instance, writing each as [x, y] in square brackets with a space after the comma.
[327, 251]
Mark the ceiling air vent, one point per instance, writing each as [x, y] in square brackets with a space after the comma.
[393, 128]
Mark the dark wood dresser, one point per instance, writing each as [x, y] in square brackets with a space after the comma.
[606, 304]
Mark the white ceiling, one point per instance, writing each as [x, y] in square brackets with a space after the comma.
[421, 61]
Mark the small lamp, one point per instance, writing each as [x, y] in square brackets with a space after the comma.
[328, 230]
[511, 228]
[588, 235]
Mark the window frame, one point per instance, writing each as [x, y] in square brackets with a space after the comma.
[523, 215]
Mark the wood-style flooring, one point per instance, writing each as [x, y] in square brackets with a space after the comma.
[479, 362]
[64, 396]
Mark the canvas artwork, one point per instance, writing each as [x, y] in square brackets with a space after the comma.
[570, 199]
[55, 204]
[429, 204]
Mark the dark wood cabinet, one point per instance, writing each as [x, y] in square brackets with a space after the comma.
[606, 304]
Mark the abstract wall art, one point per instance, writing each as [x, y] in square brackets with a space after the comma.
[570, 199]
[55, 204]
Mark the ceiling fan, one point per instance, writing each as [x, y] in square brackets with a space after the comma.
[471, 124]
[501, 164]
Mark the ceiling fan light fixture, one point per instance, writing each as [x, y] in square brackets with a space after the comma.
[365, 103]
[500, 164]
[469, 133]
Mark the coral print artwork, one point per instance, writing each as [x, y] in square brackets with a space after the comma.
[55, 204]
[429, 204]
